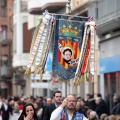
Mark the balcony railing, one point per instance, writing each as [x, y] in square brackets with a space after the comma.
[20, 59]
[38, 6]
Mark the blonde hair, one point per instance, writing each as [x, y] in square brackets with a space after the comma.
[112, 117]
[103, 116]
[106, 118]
[118, 117]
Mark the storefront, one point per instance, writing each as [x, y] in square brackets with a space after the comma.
[110, 70]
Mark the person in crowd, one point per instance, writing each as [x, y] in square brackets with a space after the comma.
[78, 109]
[102, 117]
[28, 113]
[112, 117]
[57, 96]
[16, 108]
[78, 106]
[79, 99]
[115, 100]
[83, 108]
[67, 110]
[6, 110]
[38, 110]
[106, 118]
[21, 105]
[93, 116]
[116, 108]
[41, 102]
[88, 112]
[103, 102]
[48, 101]
[100, 106]
[90, 101]
[28, 100]
[117, 117]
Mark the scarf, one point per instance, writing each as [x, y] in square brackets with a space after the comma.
[76, 116]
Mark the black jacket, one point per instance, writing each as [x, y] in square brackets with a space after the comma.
[100, 109]
[48, 110]
[5, 113]
[116, 109]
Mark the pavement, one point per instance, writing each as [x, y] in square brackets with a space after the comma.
[15, 116]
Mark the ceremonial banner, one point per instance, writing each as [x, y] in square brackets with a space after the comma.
[68, 38]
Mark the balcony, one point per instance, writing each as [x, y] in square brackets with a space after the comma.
[6, 42]
[20, 59]
[6, 67]
[19, 79]
[38, 6]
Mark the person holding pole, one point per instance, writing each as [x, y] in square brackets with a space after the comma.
[67, 110]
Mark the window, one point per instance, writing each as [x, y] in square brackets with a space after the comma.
[3, 33]
[3, 10]
[23, 6]
[27, 38]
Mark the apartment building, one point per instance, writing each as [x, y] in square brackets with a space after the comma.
[107, 15]
[6, 38]
[22, 38]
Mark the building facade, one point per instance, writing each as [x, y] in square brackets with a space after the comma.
[23, 27]
[107, 15]
[6, 37]
[22, 38]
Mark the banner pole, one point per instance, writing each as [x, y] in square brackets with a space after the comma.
[68, 12]
[68, 7]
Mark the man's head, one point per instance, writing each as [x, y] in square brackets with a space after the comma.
[57, 97]
[99, 95]
[49, 101]
[71, 102]
[92, 115]
[88, 96]
[97, 100]
[115, 99]
[67, 53]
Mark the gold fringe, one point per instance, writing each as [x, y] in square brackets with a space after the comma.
[92, 79]
[74, 80]
[28, 70]
[41, 75]
[87, 77]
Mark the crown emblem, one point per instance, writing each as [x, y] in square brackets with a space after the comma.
[69, 31]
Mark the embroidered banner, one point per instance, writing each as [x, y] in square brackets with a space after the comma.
[68, 37]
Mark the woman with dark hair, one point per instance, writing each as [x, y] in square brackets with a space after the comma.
[28, 113]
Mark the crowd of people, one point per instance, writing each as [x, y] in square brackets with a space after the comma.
[59, 108]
